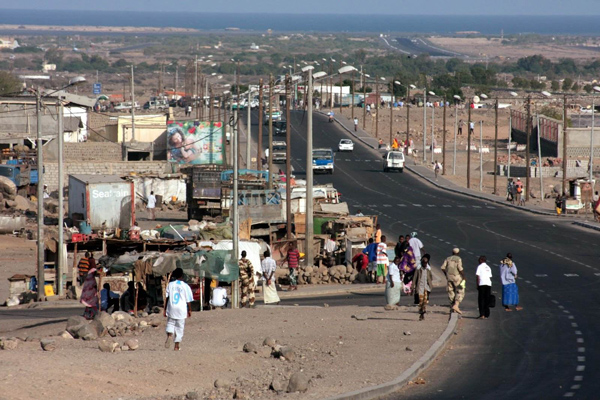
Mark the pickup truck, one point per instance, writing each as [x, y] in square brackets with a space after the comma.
[322, 160]
[156, 105]
[279, 152]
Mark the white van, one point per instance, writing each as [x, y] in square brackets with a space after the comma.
[393, 160]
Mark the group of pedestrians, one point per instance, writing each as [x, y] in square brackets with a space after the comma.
[456, 283]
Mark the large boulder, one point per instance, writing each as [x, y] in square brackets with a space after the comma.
[98, 327]
[133, 344]
[107, 346]
[75, 323]
[105, 320]
[48, 344]
[7, 188]
[8, 344]
[298, 383]
[123, 317]
[22, 204]
[87, 332]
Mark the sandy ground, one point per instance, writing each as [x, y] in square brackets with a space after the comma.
[487, 117]
[493, 48]
[335, 350]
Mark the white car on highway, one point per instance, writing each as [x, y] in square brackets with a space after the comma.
[346, 145]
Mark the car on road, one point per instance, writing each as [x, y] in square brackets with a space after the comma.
[279, 128]
[346, 145]
[279, 152]
[322, 160]
[275, 114]
[254, 104]
[393, 160]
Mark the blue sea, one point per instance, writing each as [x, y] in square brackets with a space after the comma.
[442, 24]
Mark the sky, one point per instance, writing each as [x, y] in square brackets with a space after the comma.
[427, 7]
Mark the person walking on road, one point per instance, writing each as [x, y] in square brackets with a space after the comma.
[369, 110]
[382, 261]
[416, 244]
[377, 233]
[484, 287]
[246, 281]
[400, 246]
[437, 168]
[519, 192]
[293, 260]
[371, 252]
[508, 276]
[151, 206]
[453, 269]
[423, 282]
[460, 126]
[471, 127]
[393, 286]
[355, 124]
[558, 205]
[178, 307]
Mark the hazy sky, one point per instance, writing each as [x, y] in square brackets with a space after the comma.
[428, 7]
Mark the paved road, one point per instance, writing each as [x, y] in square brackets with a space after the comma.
[550, 349]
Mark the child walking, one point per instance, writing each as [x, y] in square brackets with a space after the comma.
[177, 308]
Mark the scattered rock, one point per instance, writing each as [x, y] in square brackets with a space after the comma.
[143, 324]
[155, 323]
[325, 305]
[249, 348]
[8, 344]
[133, 344]
[298, 383]
[192, 396]
[122, 316]
[288, 353]
[407, 333]
[97, 326]
[408, 348]
[279, 385]
[124, 348]
[75, 323]
[48, 344]
[21, 203]
[66, 335]
[13, 301]
[107, 346]
[360, 317]
[105, 320]
[269, 341]
[86, 332]
[390, 307]
[222, 383]
[144, 314]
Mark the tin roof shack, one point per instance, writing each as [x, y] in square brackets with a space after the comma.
[101, 198]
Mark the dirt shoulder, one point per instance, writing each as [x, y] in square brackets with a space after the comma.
[331, 347]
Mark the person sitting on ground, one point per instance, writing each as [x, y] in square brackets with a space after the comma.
[219, 297]
[108, 299]
[128, 298]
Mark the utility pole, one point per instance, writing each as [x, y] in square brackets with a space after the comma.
[407, 114]
[444, 139]
[60, 267]
[260, 126]
[480, 156]
[235, 216]
[377, 107]
[564, 185]
[196, 87]
[160, 80]
[539, 146]
[424, 125]
[353, 93]
[288, 161]
[249, 132]
[40, 194]
[469, 148]
[509, 143]
[210, 104]
[132, 106]
[496, 148]
[270, 132]
[237, 110]
[309, 176]
[341, 83]
[364, 104]
[432, 130]
[527, 149]
[455, 129]
[392, 113]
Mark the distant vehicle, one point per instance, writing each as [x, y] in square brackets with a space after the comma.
[279, 152]
[279, 128]
[254, 104]
[156, 105]
[346, 145]
[322, 160]
[276, 115]
[393, 160]
[126, 105]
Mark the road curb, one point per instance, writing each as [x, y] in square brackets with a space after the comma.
[299, 294]
[586, 225]
[414, 370]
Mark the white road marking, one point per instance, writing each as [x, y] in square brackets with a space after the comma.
[574, 324]
[461, 206]
[476, 206]
[541, 275]
[561, 307]
[580, 358]
[401, 205]
[493, 208]
[575, 387]
[569, 394]
[571, 275]
[417, 205]
[581, 349]
[578, 332]
[571, 317]
[431, 205]
[447, 206]
[580, 340]
[578, 378]
[555, 301]
[387, 205]
[580, 368]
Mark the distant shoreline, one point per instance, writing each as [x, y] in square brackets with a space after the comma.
[95, 29]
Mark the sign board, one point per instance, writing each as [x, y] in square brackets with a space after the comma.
[97, 88]
[195, 142]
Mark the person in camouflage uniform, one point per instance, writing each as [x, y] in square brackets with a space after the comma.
[246, 281]
[453, 269]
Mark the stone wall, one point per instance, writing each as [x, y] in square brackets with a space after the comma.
[120, 168]
[93, 151]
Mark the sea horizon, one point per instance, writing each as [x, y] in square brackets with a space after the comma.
[310, 22]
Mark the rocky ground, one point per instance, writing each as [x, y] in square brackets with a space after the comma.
[269, 352]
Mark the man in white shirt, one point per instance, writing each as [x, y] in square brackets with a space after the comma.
[219, 297]
[269, 266]
[151, 206]
[177, 308]
[416, 245]
[484, 287]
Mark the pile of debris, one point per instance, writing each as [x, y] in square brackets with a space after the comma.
[322, 275]
[514, 159]
[10, 199]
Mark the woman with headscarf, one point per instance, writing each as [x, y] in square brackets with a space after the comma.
[393, 283]
[89, 295]
[508, 276]
[423, 283]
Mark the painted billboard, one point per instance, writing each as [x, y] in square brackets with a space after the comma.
[195, 142]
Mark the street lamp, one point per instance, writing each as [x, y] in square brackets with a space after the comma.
[457, 100]
[341, 71]
[591, 166]
[431, 93]
[40, 191]
[309, 171]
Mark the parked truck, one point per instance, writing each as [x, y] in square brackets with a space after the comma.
[203, 190]
[24, 176]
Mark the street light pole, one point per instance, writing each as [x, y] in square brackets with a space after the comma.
[564, 163]
[260, 126]
[60, 266]
[353, 93]
[496, 148]
[424, 125]
[288, 162]
[539, 146]
[364, 104]
[455, 129]
[480, 156]
[377, 107]
[270, 186]
[132, 107]
[469, 148]
[591, 164]
[407, 115]
[40, 194]
[432, 130]
[527, 149]
[249, 132]
[444, 139]
[309, 175]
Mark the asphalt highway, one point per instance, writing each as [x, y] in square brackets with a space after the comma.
[548, 350]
